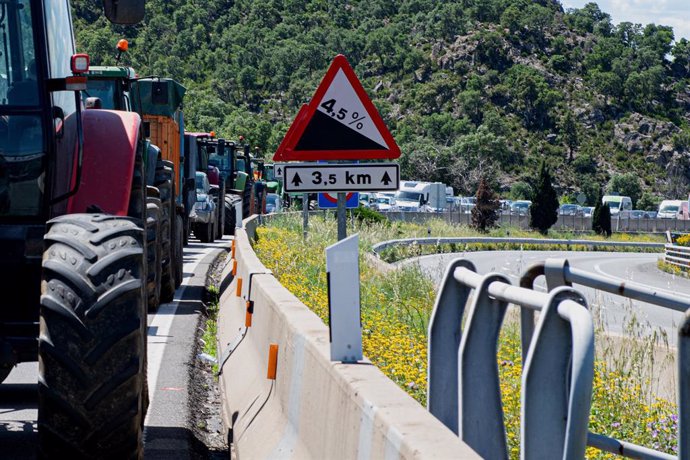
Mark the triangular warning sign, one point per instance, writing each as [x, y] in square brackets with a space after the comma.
[340, 123]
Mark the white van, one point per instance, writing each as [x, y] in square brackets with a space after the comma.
[421, 196]
[673, 209]
[617, 203]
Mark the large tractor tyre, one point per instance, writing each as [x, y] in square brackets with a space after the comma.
[179, 255]
[230, 221]
[247, 198]
[153, 252]
[92, 341]
[204, 232]
[164, 182]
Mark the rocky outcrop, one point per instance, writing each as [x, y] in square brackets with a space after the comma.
[643, 135]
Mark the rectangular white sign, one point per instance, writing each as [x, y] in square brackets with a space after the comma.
[342, 271]
[317, 177]
[278, 170]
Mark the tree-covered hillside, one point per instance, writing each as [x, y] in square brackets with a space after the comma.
[468, 87]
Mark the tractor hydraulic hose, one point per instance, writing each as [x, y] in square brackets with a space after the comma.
[80, 153]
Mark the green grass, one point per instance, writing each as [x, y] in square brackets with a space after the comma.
[211, 324]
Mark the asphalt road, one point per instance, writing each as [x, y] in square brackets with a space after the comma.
[170, 348]
[616, 314]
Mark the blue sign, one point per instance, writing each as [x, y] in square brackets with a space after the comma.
[330, 200]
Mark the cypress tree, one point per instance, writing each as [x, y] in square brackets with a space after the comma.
[544, 210]
[485, 212]
[601, 217]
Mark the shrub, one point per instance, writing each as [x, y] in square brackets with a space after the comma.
[485, 212]
[369, 216]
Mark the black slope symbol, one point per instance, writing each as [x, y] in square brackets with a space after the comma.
[325, 133]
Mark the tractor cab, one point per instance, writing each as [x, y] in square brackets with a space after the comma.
[111, 86]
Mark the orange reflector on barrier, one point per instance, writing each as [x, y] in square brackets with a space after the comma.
[233, 249]
[239, 287]
[234, 267]
[250, 312]
[272, 361]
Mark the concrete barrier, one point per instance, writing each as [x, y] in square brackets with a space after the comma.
[314, 408]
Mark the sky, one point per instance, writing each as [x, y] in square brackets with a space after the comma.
[674, 13]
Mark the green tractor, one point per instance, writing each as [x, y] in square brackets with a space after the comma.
[117, 88]
[236, 175]
[273, 184]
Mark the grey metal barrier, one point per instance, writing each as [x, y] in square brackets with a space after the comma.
[677, 255]
[559, 273]
[463, 383]
[377, 248]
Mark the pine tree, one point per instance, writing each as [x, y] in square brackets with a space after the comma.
[485, 212]
[544, 210]
[601, 217]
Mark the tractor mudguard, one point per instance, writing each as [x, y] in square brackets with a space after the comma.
[240, 181]
[111, 140]
[153, 154]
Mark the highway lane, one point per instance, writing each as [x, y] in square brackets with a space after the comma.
[613, 312]
[170, 340]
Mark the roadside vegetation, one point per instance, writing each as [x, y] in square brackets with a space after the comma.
[396, 307]
[468, 88]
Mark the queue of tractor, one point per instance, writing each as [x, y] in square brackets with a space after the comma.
[100, 189]
[196, 183]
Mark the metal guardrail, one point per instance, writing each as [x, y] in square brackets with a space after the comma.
[377, 248]
[463, 383]
[558, 273]
[577, 223]
[556, 354]
[677, 255]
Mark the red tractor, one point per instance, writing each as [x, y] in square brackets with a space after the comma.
[72, 237]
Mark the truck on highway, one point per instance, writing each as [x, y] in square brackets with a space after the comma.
[673, 209]
[421, 196]
[617, 204]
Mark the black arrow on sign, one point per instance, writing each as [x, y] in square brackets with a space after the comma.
[279, 172]
[386, 179]
[296, 180]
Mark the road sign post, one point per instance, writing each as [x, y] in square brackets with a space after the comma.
[342, 217]
[305, 215]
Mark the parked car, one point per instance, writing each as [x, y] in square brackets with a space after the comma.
[587, 211]
[570, 210]
[384, 203]
[636, 214]
[520, 207]
[650, 214]
[203, 215]
[273, 203]
[365, 199]
[467, 203]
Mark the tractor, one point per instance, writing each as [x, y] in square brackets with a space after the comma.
[72, 237]
[235, 171]
[117, 88]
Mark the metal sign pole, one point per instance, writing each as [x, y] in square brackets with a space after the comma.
[305, 215]
[342, 218]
